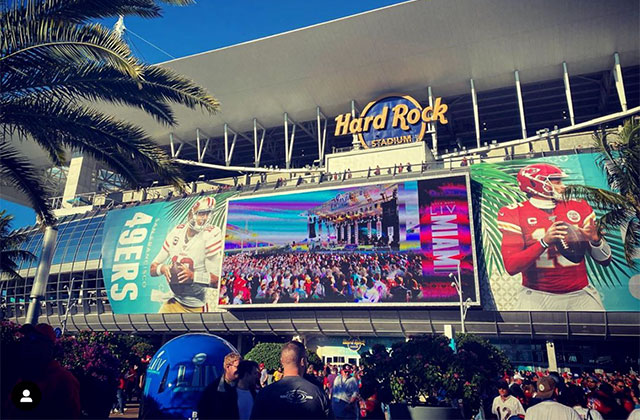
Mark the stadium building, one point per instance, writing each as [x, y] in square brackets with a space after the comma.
[396, 103]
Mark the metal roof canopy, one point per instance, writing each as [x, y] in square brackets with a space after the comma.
[360, 322]
[405, 47]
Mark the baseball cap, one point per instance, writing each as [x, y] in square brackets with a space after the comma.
[43, 330]
[545, 387]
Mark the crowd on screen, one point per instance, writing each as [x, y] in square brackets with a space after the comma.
[299, 277]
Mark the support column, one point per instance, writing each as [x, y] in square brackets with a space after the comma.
[567, 92]
[355, 143]
[42, 275]
[434, 134]
[79, 179]
[476, 118]
[521, 106]
[551, 355]
[617, 76]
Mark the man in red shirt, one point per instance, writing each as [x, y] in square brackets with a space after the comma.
[530, 232]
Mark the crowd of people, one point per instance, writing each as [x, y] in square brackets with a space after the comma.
[247, 390]
[586, 396]
[298, 277]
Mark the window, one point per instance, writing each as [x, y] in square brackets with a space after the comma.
[163, 382]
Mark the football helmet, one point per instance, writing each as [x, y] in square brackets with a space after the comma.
[203, 205]
[536, 180]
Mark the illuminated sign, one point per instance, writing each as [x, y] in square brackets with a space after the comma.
[354, 344]
[391, 120]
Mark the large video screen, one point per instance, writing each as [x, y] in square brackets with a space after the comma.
[539, 251]
[164, 257]
[376, 244]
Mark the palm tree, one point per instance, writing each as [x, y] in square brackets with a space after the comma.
[54, 63]
[10, 254]
[620, 160]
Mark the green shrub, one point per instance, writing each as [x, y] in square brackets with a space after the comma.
[269, 354]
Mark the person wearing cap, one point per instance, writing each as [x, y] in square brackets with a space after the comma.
[344, 395]
[548, 407]
[59, 388]
[506, 405]
[264, 375]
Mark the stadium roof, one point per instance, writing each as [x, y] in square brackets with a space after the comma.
[403, 48]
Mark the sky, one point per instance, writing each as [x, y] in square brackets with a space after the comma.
[209, 25]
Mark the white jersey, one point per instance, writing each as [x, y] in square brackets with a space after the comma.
[202, 253]
[507, 408]
[551, 410]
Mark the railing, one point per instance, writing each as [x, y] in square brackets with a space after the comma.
[251, 183]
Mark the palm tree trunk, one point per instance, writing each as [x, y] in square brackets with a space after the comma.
[42, 275]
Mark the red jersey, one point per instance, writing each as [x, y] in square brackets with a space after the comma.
[522, 226]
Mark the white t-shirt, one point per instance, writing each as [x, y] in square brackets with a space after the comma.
[507, 408]
[551, 410]
[245, 403]
[582, 412]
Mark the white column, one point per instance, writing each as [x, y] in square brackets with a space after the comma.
[476, 118]
[567, 92]
[521, 106]
[79, 178]
[617, 75]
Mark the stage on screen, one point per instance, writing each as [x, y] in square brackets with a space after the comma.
[374, 244]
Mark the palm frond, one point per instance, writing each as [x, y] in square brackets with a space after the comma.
[31, 44]
[19, 172]
[83, 129]
[94, 82]
[632, 241]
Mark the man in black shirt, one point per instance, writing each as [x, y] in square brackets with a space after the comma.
[220, 399]
[292, 397]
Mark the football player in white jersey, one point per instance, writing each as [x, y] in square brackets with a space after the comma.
[190, 259]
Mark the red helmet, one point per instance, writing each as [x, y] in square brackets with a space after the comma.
[203, 205]
[536, 180]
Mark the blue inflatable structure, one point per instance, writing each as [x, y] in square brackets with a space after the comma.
[179, 372]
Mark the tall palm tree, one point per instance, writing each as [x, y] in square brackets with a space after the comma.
[620, 160]
[10, 252]
[54, 63]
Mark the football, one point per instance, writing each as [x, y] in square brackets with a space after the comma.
[573, 246]
[175, 270]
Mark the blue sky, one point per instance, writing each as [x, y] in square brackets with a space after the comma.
[211, 24]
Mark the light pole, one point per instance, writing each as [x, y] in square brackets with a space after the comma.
[464, 306]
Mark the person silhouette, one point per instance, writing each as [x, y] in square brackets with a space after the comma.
[26, 396]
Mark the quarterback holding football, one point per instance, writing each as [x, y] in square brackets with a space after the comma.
[547, 239]
[190, 259]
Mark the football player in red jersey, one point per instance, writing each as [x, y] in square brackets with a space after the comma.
[531, 233]
[190, 259]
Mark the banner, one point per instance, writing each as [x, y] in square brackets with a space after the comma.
[164, 257]
[374, 244]
[522, 265]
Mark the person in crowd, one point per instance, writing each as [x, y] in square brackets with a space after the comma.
[548, 407]
[278, 374]
[376, 172]
[220, 399]
[622, 395]
[292, 397]
[119, 403]
[60, 390]
[506, 405]
[344, 397]
[329, 378]
[264, 375]
[575, 397]
[248, 382]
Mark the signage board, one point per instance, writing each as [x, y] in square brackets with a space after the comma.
[391, 120]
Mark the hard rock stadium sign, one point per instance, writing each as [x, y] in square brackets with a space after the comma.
[391, 120]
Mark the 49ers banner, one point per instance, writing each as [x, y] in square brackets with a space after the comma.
[540, 252]
[164, 257]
